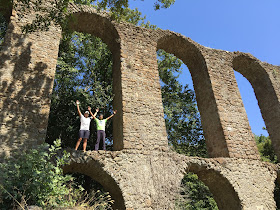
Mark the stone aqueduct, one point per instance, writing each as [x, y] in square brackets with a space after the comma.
[142, 172]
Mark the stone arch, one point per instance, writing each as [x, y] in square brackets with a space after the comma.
[265, 93]
[190, 54]
[87, 20]
[94, 169]
[223, 192]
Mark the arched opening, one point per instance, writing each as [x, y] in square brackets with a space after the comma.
[218, 186]
[250, 104]
[94, 194]
[189, 53]
[265, 93]
[84, 73]
[255, 119]
[95, 171]
[182, 119]
[88, 71]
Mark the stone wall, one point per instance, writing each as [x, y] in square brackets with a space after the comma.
[151, 180]
[143, 173]
[27, 68]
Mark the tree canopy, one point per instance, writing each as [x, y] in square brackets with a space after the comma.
[56, 11]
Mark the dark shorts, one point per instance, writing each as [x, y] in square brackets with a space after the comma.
[84, 134]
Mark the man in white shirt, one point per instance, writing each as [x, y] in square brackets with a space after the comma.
[84, 127]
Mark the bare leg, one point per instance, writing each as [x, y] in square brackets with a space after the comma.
[85, 145]
[78, 143]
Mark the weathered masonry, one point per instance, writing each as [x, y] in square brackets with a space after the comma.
[142, 172]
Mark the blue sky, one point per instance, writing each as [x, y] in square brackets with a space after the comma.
[251, 26]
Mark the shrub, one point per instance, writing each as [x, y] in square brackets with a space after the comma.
[35, 177]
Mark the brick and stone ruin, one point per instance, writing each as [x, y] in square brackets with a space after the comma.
[142, 172]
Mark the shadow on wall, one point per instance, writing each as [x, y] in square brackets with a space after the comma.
[23, 119]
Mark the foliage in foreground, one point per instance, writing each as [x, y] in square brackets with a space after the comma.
[35, 177]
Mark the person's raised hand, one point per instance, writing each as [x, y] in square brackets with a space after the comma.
[89, 108]
[77, 102]
[115, 112]
[97, 110]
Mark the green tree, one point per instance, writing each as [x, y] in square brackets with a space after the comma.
[34, 176]
[195, 195]
[56, 10]
[265, 149]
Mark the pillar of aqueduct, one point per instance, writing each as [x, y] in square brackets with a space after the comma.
[142, 172]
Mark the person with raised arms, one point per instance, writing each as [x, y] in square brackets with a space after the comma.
[100, 124]
[84, 131]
